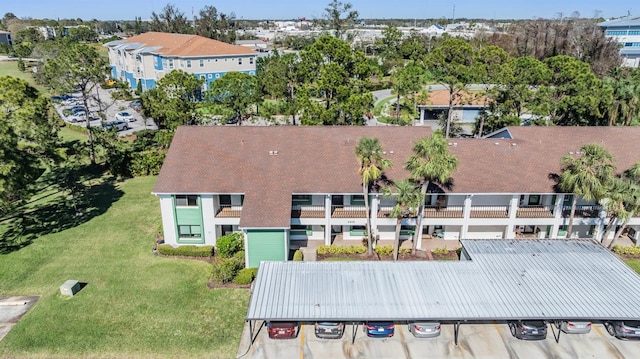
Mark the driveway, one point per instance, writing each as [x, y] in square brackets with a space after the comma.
[12, 309]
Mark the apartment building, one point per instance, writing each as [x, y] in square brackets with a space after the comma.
[282, 185]
[625, 31]
[146, 58]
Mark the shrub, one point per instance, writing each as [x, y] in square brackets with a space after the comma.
[358, 249]
[404, 251]
[297, 256]
[223, 270]
[185, 251]
[384, 250]
[245, 276]
[626, 250]
[146, 163]
[440, 251]
[230, 244]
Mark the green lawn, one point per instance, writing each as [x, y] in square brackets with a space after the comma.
[134, 304]
[634, 264]
[10, 68]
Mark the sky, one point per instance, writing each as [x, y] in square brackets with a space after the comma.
[313, 9]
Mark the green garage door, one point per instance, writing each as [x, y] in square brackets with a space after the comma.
[266, 245]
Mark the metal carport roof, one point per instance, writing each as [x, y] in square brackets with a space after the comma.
[505, 279]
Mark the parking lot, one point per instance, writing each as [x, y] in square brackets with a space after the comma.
[491, 340]
[110, 108]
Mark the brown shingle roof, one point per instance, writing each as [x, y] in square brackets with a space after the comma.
[322, 160]
[187, 45]
[440, 98]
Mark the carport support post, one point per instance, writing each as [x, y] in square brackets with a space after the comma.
[557, 325]
[354, 331]
[456, 330]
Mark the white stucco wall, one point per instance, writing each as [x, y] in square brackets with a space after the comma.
[168, 220]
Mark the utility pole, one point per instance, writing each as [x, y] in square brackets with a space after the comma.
[453, 19]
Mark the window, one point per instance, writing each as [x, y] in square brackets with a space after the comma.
[300, 230]
[301, 198]
[616, 32]
[251, 61]
[239, 60]
[357, 199]
[407, 230]
[188, 63]
[201, 62]
[210, 76]
[226, 229]
[171, 63]
[217, 76]
[568, 199]
[357, 230]
[189, 231]
[534, 199]
[634, 32]
[186, 201]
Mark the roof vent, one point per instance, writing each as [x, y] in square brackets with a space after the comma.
[513, 144]
[391, 152]
[570, 152]
[273, 153]
[496, 143]
[455, 144]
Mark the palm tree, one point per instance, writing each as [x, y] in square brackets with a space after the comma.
[430, 163]
[624, 200]
[408, 199]
[372, 164]
[588, 175]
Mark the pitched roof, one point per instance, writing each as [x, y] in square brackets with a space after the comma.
[180, 45]
[269, 164]
[623, 21]
[440, 98]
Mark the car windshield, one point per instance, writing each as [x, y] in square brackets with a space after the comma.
[282, 325]
[533, 323]
[632, 324]
[329, 324]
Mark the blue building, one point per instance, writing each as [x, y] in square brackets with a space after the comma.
[626, 31]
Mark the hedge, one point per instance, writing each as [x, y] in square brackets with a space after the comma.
[626, 250]
[358, 249]
[245, 276]
[185, 251]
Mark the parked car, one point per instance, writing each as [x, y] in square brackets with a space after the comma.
[628, 329]
[425, 329]
[77, 108]
[528, 329]
[329, 330]
[571, 327]
[125, 116]
[282, 330]
[117, 125]
[63, 97]
[77, 117]
[379, 329]
[136, 105]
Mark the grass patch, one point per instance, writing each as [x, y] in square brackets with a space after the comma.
[135, 304]
[634, 264]
[10, 68]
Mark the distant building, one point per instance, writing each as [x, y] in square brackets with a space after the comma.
[466, 107]
[626, 31]
[5, 38]
[150, 56]
[255, 45]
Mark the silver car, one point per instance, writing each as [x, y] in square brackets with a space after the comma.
[425, 329]
[329, 330]
[571, 327]
[629, 329]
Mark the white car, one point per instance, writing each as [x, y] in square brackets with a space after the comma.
[117, 125]
[125, 116]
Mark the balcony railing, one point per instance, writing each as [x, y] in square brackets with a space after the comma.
[443, 212]
[303, 211]
[535, 212]
[490, 211]
[589, 211]
[226, 211]
[348, 212]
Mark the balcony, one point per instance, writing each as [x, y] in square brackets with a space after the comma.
[491, 211]
[348, 212]
[226, 211]
[589, 211]
[302, 211]
[443, 212]
[535, 212]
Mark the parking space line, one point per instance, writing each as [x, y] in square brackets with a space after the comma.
[597, 331]
[302, 341]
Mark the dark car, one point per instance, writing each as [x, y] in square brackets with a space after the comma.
[282, 330]
[379, 329]
[624, 329]
[329, 330]
[529, 329]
